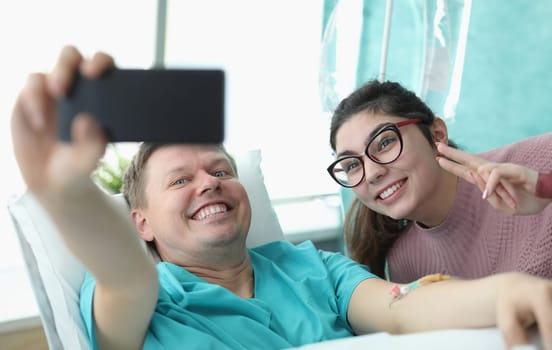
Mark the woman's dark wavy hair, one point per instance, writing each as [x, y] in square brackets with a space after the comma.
[369, 235]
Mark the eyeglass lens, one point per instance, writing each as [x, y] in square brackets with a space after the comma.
[384, 148]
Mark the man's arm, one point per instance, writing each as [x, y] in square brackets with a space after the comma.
[59, 175]
[510, 301]
[104, 239]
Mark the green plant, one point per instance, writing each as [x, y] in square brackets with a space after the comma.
[109, 175]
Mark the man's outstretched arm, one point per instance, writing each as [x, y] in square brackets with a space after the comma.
[59, 175]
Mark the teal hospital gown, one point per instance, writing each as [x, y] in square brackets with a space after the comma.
[301, 297]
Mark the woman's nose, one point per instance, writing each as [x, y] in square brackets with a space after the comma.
[373, 171]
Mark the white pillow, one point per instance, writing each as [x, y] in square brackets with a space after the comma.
[265, 226]
[56, 275]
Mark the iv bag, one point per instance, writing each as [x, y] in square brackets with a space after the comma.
[445, 25]
[339, 53]
[442, 26]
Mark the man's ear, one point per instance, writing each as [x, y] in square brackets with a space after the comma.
[439, 130]
[142, 225]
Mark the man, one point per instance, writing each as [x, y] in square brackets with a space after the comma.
[210, 291]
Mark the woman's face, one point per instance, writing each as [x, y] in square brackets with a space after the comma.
[404, 188]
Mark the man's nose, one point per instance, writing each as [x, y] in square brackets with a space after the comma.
[207, 182]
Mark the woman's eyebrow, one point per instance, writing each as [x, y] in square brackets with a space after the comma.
[345, 154]
[376, 130]
[368, 138]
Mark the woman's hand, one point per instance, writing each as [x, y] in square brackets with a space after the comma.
[508, 187]
[46, 163]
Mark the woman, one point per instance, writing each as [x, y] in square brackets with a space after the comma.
[411, 217]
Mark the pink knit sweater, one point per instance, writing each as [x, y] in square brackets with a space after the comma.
[476, 240]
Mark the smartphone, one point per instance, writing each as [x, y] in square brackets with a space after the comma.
[150, 105]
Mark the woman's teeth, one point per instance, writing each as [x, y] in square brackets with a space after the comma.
[391, 190]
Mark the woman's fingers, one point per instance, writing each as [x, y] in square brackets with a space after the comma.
[458, 163]
[515, 174]
[456, 169]
[478, 180]
[460, 157]
[499, 191]
[505, 196]
[493, 179]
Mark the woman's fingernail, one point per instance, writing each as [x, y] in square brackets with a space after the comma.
[485, 193]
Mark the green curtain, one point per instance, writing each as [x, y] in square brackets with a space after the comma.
[505, 81]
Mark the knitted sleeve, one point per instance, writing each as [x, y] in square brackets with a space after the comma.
[544, 185]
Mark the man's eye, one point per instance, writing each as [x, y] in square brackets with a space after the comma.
[221, 173]
[179, 182]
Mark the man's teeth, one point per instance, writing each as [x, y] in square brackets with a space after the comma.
[210, 210]
[391, 190]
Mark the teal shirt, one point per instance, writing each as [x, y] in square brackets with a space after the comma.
[301, 297]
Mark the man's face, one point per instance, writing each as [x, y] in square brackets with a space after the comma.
[195, 203]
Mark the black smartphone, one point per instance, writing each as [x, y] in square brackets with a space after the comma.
[151, 105]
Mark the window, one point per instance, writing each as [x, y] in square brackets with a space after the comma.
[33, 33]
[270, 51]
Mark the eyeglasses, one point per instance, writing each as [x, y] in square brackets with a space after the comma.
[384, 147]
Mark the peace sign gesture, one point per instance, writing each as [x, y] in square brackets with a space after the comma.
[508, 187]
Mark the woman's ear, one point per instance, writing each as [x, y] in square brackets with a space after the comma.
[439, 130]
[142, 225]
